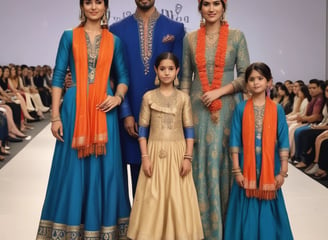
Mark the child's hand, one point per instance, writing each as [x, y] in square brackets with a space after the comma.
[147, 167]
[185, 168]
[240, 180]
[279, 181]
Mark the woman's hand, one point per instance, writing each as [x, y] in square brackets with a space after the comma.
[210, 96]
[240, 180]
[147, 166]
[185, 168]
[57, 130]
[279, 181]
[109, 103]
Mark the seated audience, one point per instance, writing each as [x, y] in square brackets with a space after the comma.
[289, 85]
[3, 134]
[285, 99]
[40, 81]
[274, 92]
[15, 86]
[303, 98]
[26, 84]
[10, 96]
[313, 114]
[296, 101]
[307, 139]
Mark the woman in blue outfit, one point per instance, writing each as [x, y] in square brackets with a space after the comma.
[259, 148]
[86, 198]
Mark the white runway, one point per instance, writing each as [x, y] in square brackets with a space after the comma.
[23, 183]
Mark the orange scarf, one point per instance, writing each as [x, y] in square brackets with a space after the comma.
[266, 188]
[90, 132]
[219, 64]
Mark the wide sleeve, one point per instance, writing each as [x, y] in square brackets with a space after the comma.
[236, 128]
[242, 62]
[282, 134]
[62, 59]
[187, 66]
[145, 111]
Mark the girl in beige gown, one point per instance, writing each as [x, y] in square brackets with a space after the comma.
[165, 204]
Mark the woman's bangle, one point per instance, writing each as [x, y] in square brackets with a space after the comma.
[189, 157]
[121, 96]
[55, 119]
[236, 171]
[284, 174]
[144, 155]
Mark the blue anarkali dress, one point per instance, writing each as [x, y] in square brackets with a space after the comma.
[86, 197]
[252, 218]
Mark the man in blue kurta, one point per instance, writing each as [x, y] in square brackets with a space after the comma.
[145, 35]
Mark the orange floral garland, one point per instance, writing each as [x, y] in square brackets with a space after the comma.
[219, 62]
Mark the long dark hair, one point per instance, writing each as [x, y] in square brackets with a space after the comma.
[305, 90]
[324, 93]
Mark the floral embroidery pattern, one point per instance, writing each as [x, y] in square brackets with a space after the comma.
[146, 38]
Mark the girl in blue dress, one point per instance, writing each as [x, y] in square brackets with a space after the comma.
[259, 148]
[86, 197]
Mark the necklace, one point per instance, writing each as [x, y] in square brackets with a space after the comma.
[218, 68]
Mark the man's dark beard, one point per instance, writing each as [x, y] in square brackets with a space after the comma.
[144, 7]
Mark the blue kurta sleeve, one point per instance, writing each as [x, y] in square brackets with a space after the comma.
[283, 142]
[62, 59]
[120, 75]
[236, 128]
[178, 45]
[119, 69]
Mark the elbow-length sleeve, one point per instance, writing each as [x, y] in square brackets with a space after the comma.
[242, 62]
[187, 112]
[119, 70]
[120, 74]
[188, 125]
[236, 128]
[62, 59]
[283, 142]
[144, 115]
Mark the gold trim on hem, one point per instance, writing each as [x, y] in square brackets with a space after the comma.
[49, 230]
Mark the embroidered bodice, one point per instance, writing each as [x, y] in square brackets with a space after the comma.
[93, 50]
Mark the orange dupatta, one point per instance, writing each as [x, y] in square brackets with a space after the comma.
[218, 68]
[90, 132]
[267, 189]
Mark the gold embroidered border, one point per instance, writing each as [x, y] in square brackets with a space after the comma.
[49, 230]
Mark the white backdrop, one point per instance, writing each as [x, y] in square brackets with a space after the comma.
[288, 35]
